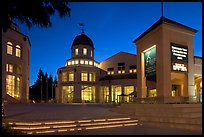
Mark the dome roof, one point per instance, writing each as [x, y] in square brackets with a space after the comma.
[82, 39]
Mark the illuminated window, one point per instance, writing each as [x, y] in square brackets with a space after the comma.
[69, 63]
[81, 61]
[76, 62]
[132, 69]
[17, 92]
[72, 62]
[115, 91]
[18, 51]
[110, 71]
[71, 76]
[10, 85]
[153, 93]
[127, 91]
[121, 68]
[9, 68]
[68, 92]
[84, 76]
[91, 53]
[64, 76]
[84, 51]
[77, 51]
[9, 48]
[88, 94]
[86, 62]
[104, 93]
[91, 63]
[92, 76]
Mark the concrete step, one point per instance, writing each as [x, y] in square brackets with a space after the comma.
[166, 114]
[195, 121]
[74, 125]
[193, 127]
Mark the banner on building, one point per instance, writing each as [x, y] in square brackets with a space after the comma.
[179, 58]
[150, 64]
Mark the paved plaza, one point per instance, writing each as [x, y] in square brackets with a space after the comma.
[51, 112]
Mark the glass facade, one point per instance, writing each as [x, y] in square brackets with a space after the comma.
[88, 94]
[127, 91]
[104, 97]
[115, 91]
[68, 93]
[10, 85]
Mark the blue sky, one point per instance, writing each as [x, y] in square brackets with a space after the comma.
[112, 26]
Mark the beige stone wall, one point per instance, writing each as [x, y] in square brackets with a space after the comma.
[162, 36]
[16, 38]
[129, 59]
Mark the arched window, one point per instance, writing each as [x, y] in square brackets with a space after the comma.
[77, 51]
[84, 51]
[18, 51]
[9, 48]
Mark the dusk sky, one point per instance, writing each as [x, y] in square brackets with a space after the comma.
[112, 26]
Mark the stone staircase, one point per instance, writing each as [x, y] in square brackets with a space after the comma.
[183, 116]
[55, 127]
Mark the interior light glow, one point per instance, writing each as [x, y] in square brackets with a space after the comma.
[60, 122]
[80, 121]
[64, 126]
[117, 119]
[104, 127]
[30, 128]
[48, 131]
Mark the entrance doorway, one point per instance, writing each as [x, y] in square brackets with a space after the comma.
[176, 90]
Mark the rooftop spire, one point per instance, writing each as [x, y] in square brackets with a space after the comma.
[82, 27]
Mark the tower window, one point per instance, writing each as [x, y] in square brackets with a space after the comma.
[9, 68]
[91, 53]
[84, 51]
[9, 48]
[77, 51]
[18, 51]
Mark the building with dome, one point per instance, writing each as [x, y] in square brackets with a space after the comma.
[84, 80]
[126, 77]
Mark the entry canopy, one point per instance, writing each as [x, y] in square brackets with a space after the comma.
[133, 93]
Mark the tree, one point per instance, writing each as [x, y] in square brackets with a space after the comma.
[32, 12]
[46, 83]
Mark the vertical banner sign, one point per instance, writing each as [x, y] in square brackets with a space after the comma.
[179, 58]
[150, 64]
